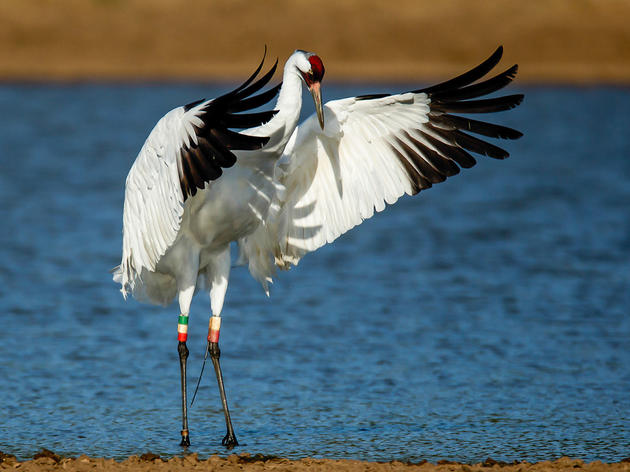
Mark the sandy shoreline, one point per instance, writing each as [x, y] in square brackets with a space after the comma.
[584, 41]
[48, 461]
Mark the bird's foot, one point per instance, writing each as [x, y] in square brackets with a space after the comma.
[185, 439]
[229, 441]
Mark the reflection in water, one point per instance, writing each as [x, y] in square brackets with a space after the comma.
[486, 317]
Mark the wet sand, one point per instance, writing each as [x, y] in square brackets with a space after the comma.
[571, 41]
[48, 461]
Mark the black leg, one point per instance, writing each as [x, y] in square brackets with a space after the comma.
[229, 440]
[183, 356]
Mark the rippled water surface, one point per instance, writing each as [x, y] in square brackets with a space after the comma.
[489, 316]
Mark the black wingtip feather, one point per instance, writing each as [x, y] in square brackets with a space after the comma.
[478, 146]
[201, 164]
[247, 120]
[468, 77]
[458, 155]
[253, 76]
[479, 89]
[260, 83]
[452, 122]
[421, 164]
[442, 164]
[255, 101]
[417, 181]
[488, 105]
[464, 94]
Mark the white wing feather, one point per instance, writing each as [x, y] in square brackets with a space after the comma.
[337, 178]
[154, 202]
[334, 179]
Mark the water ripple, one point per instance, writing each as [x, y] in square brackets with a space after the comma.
[486, 317]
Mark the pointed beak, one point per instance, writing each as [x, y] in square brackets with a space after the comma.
[317, 98]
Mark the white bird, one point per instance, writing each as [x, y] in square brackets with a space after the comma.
[281, 190]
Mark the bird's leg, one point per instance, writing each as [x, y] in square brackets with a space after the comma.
[215, 353]
[182, 335]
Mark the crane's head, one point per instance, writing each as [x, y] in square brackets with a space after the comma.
[312, 71]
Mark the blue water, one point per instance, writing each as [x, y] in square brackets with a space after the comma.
[488, 316]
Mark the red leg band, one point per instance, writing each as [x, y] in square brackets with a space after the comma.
[182, 328]
[214, 329]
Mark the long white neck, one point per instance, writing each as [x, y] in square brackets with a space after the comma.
[289, 105]
[290, 98]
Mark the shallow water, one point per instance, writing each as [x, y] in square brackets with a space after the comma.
[486, 317]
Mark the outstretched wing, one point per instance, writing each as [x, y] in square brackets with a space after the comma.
[373, 150]
[206, 140]
[189, 147]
